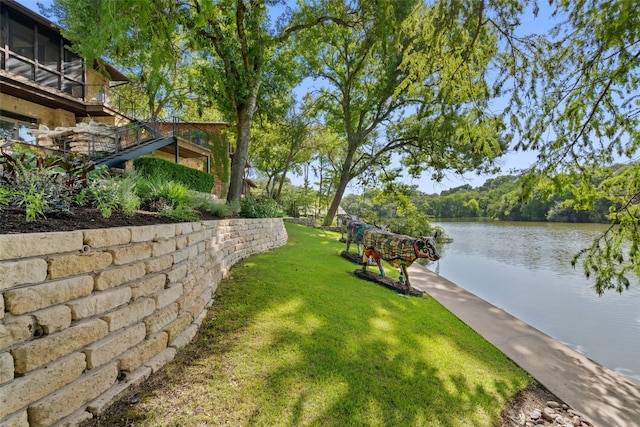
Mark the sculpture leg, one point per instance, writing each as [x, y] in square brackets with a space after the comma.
[377, 258]
[403, 269]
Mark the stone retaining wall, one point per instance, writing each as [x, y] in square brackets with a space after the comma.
[86, 314]
[308, 222]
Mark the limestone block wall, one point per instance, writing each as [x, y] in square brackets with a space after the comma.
[86, 314]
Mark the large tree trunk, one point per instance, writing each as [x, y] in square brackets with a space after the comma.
[335, 203]
[239, 161]
[244, 118]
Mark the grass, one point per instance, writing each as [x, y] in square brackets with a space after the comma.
[294, 338]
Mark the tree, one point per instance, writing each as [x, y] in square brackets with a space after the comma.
[140, 37]
[244, 60]
[242, 57]
[394, 84]
[581, 113]
[279, 148]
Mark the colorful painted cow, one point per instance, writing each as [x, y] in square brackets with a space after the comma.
[397, 249]
[355, 232]
[345, 223]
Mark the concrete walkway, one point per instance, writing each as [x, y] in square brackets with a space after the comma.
[604, 396]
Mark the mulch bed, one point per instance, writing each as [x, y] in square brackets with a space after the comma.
[13, 220]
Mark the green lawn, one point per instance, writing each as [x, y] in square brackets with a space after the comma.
[294, 338]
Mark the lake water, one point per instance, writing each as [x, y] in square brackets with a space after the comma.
[525, 269]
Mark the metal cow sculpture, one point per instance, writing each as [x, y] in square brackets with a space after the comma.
[397, 249]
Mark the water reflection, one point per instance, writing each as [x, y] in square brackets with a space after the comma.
[525, 269]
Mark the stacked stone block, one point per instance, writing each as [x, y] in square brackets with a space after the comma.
[86, 314]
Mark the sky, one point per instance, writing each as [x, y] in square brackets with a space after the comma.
[508, 162]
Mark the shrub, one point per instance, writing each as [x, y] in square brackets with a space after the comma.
[262, 207]
[151, 167]
[107, 194]
[204, 202]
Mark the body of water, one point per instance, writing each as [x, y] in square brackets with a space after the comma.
[525, 269]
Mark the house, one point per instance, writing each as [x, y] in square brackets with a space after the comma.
[45, 87]
[44, 83]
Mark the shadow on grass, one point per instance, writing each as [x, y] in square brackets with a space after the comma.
[294, 339]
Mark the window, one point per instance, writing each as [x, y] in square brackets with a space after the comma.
[36, 52]
[49, 50]
[21, 38]
[47, 78]
[73, 66]
[73, 88]
[22, 67]
[17, 129]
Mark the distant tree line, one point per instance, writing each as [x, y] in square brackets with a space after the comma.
[498, 198]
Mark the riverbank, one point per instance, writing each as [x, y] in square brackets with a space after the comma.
[525, 269]
[606, 397]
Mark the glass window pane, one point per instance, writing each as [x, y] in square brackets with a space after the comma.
[18, 66]
[2, 33]
[49, 50]
[73, 66]
[24, 135]
[18, 130]
[21, 38]
[7, 130]
[73, 88]
[48, 78]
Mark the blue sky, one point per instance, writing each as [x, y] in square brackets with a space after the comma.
[510, 161]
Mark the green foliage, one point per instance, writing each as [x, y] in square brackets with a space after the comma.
[403, 210]
[158, 194]
[574, 100]
[191, 178]
[181, 212]
[220, 160]
[108, 194]
[40, 185]
[173, 199]
[33, 201]
[143, 40]
[5, 196]
[397, 84]
[260, 207]
[205, 202]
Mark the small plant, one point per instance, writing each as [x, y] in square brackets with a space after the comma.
[129, 200]
[5, 196]
[33, 202]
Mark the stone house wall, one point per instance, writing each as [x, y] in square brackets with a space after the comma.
[86, 314]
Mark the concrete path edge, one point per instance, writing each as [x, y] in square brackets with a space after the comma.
[604, 396]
